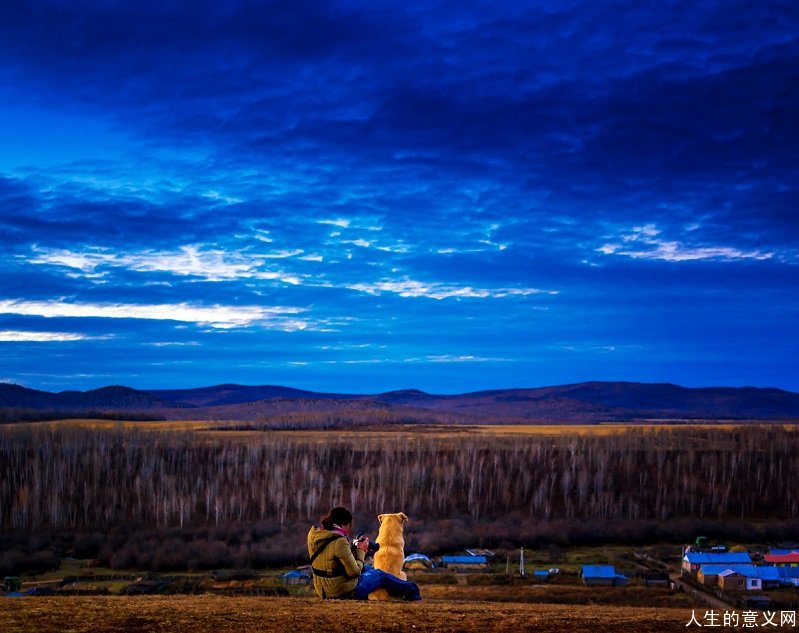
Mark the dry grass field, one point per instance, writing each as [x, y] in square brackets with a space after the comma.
[217, 614]
[218, 428]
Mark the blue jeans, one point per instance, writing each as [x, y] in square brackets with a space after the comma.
[372, 579]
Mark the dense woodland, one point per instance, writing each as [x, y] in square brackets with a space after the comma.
[505, 489]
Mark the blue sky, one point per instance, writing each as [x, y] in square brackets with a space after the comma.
[364, 196]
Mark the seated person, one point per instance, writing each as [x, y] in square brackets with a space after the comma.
[338, 566]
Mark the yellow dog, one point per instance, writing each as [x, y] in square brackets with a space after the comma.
[391, 555]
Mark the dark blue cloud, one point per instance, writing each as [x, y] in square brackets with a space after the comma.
[442, 195]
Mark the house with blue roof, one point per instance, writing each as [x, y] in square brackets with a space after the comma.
[692, 561]
[602, 576]
[465, 563]
[297, 577]
[417, 561]
[709, 574]
[757, 577]
[733, 580]
[788, 575]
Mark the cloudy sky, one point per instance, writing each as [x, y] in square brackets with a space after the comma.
[364, 196]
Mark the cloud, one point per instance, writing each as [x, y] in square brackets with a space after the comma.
[435, 290]
[394, 248]
[465, 359]
[414, 360]
[339, 222]
[175, 344]
[643, 242]
[347, 156]
[43, 337]
[189, 261]
[221, 317]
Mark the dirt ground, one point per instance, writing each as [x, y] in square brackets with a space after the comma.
[219, 614]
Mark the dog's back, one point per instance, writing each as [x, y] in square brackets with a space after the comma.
[391, 555]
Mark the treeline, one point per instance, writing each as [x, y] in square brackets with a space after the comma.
[266, 544]
[15, 414]
[316, 414]
[337, 420]
[89, 479]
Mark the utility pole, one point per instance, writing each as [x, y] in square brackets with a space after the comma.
[521, 563]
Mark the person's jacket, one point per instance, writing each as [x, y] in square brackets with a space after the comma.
[335, 566]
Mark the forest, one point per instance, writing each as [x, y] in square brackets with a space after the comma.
[109, 489]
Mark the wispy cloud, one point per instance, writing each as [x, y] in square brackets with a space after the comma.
[175, 344]
[360, 223]
[436, 290]
[393, 248]
[465, 359]
[217, 316]
[356, 156]
[192, 260]
[7, 336]
[342, 223]
[416, 360]
[644, 242]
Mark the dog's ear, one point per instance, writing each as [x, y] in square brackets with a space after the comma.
[403, 516]
[380, 517]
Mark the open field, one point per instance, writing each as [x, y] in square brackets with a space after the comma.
[218, 614]
[231, 428]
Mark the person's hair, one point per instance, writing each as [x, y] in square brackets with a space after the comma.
[338, 516]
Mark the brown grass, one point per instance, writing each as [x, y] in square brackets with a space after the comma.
[561, 594]
[218, 614]
[215, 428]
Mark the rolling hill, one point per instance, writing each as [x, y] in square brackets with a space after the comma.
[578, 403]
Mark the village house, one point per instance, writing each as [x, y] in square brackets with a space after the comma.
[788, 575]
[418, 562]
[480, 552]
[730, 577]
[297, 577]
[656, 579]
[602, 576]
[692, 561]
[465, 563]
[782, 558]
[731, 580]
[708, 575]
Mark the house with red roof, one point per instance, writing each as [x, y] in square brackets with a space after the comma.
[790, 559]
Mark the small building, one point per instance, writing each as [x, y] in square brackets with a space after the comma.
[656, 579]
[465, 563]
[788, 575]
[480, 552]
[602, 576]
[692, 561]
[783, 559]
[708, 575]
[417, 562]
[769, 576]
[297, 577]
[766, 576]
[730, 580]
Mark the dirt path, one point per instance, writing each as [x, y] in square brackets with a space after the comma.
[709, 599]
[218, 614]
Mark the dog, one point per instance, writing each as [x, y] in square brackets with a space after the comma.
[391, 555]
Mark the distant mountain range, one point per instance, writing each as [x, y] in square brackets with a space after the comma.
[579, 403]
